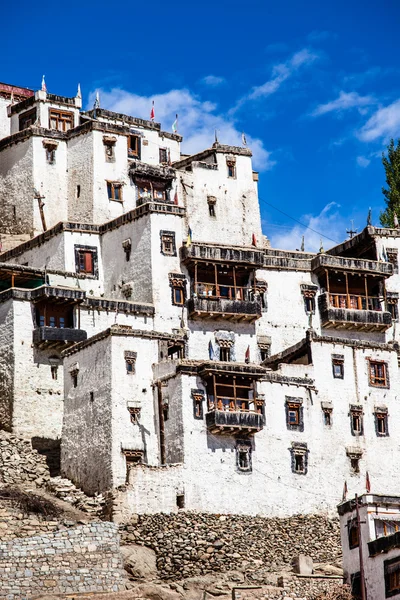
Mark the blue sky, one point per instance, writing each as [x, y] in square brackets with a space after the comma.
[315, 87]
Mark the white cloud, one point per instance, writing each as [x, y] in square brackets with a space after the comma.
[345, 101]
[320, 36]
[198, 120]
[328, 222]
[280, 73]
[362, 161]
[384, 123]
[213, 80]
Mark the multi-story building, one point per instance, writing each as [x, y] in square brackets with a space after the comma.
[371, 541]
[183, 361]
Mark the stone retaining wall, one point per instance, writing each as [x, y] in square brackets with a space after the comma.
[82, 559]
[189, 544]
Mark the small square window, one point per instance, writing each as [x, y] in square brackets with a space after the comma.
[86, 260]
[309, 304]
[54, 372]
[130, 361]
[74, 377]
[355, 465]
[294, 414]
[299, 463]
[299, 458]
[198, 400]
[392, 306]
[60, 120]
[109, 150]
[225, 354]
[168, 247]
[114, 191]
[378, 374]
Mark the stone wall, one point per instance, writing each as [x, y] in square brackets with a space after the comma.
[190, 544]
[83, 559]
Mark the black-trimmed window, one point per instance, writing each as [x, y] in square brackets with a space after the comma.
[231, 168]
[338, 366]
[393, 258]
[177, 283]
[225, 353]
[168, 246]
[243, 456]
[392, 305]
[134, 146]
[50, 155]
[381, 422]
[86, 260]
[299, 458]
[378, 373]
[294, 414]
[356, 420]
[327, 416]
[198, 403]
[114, 191]
[392, 577]
[130, 361]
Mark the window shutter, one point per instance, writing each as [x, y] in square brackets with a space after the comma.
[88, 262]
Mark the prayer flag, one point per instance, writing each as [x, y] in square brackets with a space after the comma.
[367, 483]
[152, 112]
[176, 197]
[247, 355]
[211, 351]
[189, 238]
[175, 124]
[254, 240]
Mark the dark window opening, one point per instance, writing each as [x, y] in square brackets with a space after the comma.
[355, 582]
[225, 354]
[91, 396]
[392, 256]
[54, 372]
[356, 423]
[355, 465]
[74, 377]
[176, 351]
[309, 304]
[243, 458]
[27, 119]
[264, 354]
[180, 500]
[114, 191]
[353, 534]
[165, 409]
[198, 398]
[50, 155]
[392, 577]
[231, 170]
[211, 210]
[133, 146]
[299, 463]
[393, 308]
[78, 191]
[163, 155]
[134, 413]
[327, 417]
[54, 315]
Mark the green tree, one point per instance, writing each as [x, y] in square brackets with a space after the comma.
[391, 163]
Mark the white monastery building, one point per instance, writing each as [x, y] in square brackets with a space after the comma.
[146, 322]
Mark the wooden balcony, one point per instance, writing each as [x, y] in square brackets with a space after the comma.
[232, 422]
[323, 262]
[351, 311]
[57, 337]
[233, 303]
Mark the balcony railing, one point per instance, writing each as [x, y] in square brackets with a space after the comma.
[352, 311]
[355, 302]
[235, 303]
[234, 421]
[57, 336]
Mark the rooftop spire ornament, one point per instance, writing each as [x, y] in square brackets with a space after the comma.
[96, 105]
[321, 247]
[79, 93]
[44, 88]
[302, 243]
[369, 217]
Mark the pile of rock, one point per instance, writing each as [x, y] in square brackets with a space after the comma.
[20, 463]
[66, 490]
[188, 544]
